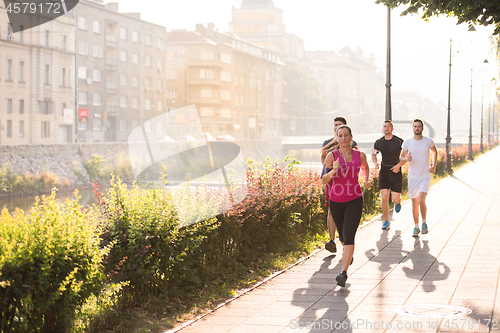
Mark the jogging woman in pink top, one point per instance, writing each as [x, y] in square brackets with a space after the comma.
[346, 196]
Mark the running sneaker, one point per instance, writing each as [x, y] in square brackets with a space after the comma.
[416, 231]
[424, 228]
[342, 278]
[331, 246]
[386, 225]
[397, 208]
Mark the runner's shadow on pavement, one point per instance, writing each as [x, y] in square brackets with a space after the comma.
[389, 251]
[315, 318]
[421, 259]
[455, 177]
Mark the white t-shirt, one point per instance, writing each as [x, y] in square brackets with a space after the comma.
[419, 149]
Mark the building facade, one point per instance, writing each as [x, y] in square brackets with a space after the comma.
[350, 86]
[120, 61]
[37, 82]
[236, 86]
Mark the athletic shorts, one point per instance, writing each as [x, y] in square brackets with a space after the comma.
[390, 180]
[418, 184]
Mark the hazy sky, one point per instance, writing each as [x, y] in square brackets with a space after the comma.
[420, 50]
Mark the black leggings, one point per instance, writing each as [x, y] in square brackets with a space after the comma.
[347, 216]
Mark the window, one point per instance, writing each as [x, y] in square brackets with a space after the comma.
[135, 58]
[207, 112]
[97, 75]
[147, 82]
[235, 99]
[82, 125]
[207, 55]
[123, 125]
[159, 64]
[47, 38]
[206, 93]
[82, 23]
[9, 128]
[21, 34]
[21, 106]
[171, 93]
[241, 100]
[225, 113]
[21, 71]
[171, 74]
[123, 33]
[83, 48]
[225, 58]
[207, 74]
[21, 128]
[148, 61]
[242, 82]
[159, 84]
[9, 70]
[82, 98]
[62, 109]
[97, 99]
[9, 105]
[225, 94]
[82, 73]
[45, 107]
[45, 129]
[97, 27]
[147, 104]
[149, 40]
[225, 76]
[135, 81]
[64, 42]
[159, 43]
[159, 105]
[135, 36]
[123, 56]
[123, 79]
[135, 103]
[63, 81]
[236, 80]
[47, 74]
[96, 126]
[97, 51]
[123, 101]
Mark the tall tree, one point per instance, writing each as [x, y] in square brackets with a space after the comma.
[471, 11]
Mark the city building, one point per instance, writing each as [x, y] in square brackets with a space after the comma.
[120, 62]
[236, 86]
[260, 22]
[351, 86]
[37, 82]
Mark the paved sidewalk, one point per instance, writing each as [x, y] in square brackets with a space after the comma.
[456, 264]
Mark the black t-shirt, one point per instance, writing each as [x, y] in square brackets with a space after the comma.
[390, 149]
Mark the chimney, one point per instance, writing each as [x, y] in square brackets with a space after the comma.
[201, 28]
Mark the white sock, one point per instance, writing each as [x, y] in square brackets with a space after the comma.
[424, 221]
[416, 225]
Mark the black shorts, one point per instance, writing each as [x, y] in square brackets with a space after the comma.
[390, 180]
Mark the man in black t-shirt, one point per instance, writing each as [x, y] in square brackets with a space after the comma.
[390, 176]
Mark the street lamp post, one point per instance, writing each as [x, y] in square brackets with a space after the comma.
[448, 137]
[388, 108]
[469, 155]
[482, 93]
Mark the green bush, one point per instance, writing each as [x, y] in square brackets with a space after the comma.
[50, 263]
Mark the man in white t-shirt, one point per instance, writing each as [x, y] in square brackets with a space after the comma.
[416, 152]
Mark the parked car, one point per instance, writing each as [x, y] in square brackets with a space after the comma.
[206, 136]
[165, 139]
[187, 138]
[225, 137]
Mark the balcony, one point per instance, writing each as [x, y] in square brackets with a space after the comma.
[111, 41]
[204, 101]
[205, 63]
[112, 110]
[112, 64]
[111, 88]
[204, 82]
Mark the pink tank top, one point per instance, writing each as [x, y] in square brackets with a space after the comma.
[345, 185]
